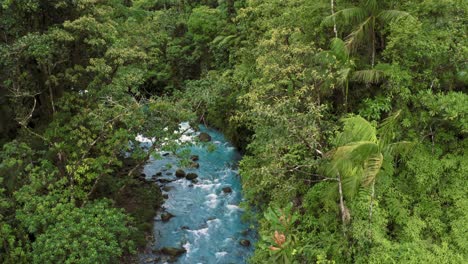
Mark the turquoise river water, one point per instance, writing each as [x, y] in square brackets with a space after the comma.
[207, 221]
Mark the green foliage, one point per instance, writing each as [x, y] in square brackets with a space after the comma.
[94, 233]
[79, 79]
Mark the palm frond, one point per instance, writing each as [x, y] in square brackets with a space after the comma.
[401, 147]
[388, 16]
[222, 41]
[358, 152]
[346, 16]
[372, 168]
[338, 47]
[358, 35]
[372, 6]
[352, 182]
[355, 129]
[343, 76]
[387, 128]
[372, 76]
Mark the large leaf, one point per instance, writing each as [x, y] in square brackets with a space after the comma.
[372, 168]
[338, 47]
[388, 16]
[371, 76]
[359, 35]
[356, 129]
[346, 16]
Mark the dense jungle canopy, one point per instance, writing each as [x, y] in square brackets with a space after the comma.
[351, 115]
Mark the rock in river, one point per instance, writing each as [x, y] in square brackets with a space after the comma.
[172, 251]
[166, 217]
[166, 188]
[245, 242]
[191, 176]
[204, 137]
[195, 165]
[180, 173]
[227, 190]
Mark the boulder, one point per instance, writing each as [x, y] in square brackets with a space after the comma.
[194, 165]
[166, 188]
[194, 157]
[166, 217]
[165, 180]
[165, 196]
[244, 242]
[191, 176]
[158, 174]
[204, 137]
[172, 251]
[227, 190]
[194, 181]
[180, 173]
[165, 154]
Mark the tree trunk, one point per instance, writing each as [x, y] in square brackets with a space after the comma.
[371, 207]
[332, 5]
[373, 43]
[342, 206]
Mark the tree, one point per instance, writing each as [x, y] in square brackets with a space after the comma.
[359, 156]
[364, 18]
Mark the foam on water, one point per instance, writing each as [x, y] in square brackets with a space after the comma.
[207, 221]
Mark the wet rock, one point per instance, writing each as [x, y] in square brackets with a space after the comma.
[166, 188]
[168, 173]
[180, 173]
[211, 218]
[165, 154]
[165, 196]
[227, 190]
[172, 251]
[194, 165]
[190, 185]
[204, 137]
[194, 181]
[194, 157]
[157, 174]
[184, 228]
[142, 175]
[244, 242]
[166, 217]
[191, 176]
[165, 180]
[152, 260]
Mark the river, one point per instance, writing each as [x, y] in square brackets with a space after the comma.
[206, 219]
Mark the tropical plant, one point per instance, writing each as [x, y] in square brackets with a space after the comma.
[358, 158]
[346, 68]
[365, 18]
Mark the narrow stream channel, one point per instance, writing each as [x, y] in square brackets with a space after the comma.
[202, 217]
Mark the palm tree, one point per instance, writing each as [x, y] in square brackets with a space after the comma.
[358, 159]
[364, 18]
[348, 72]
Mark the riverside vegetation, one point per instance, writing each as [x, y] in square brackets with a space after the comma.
[351, 115]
